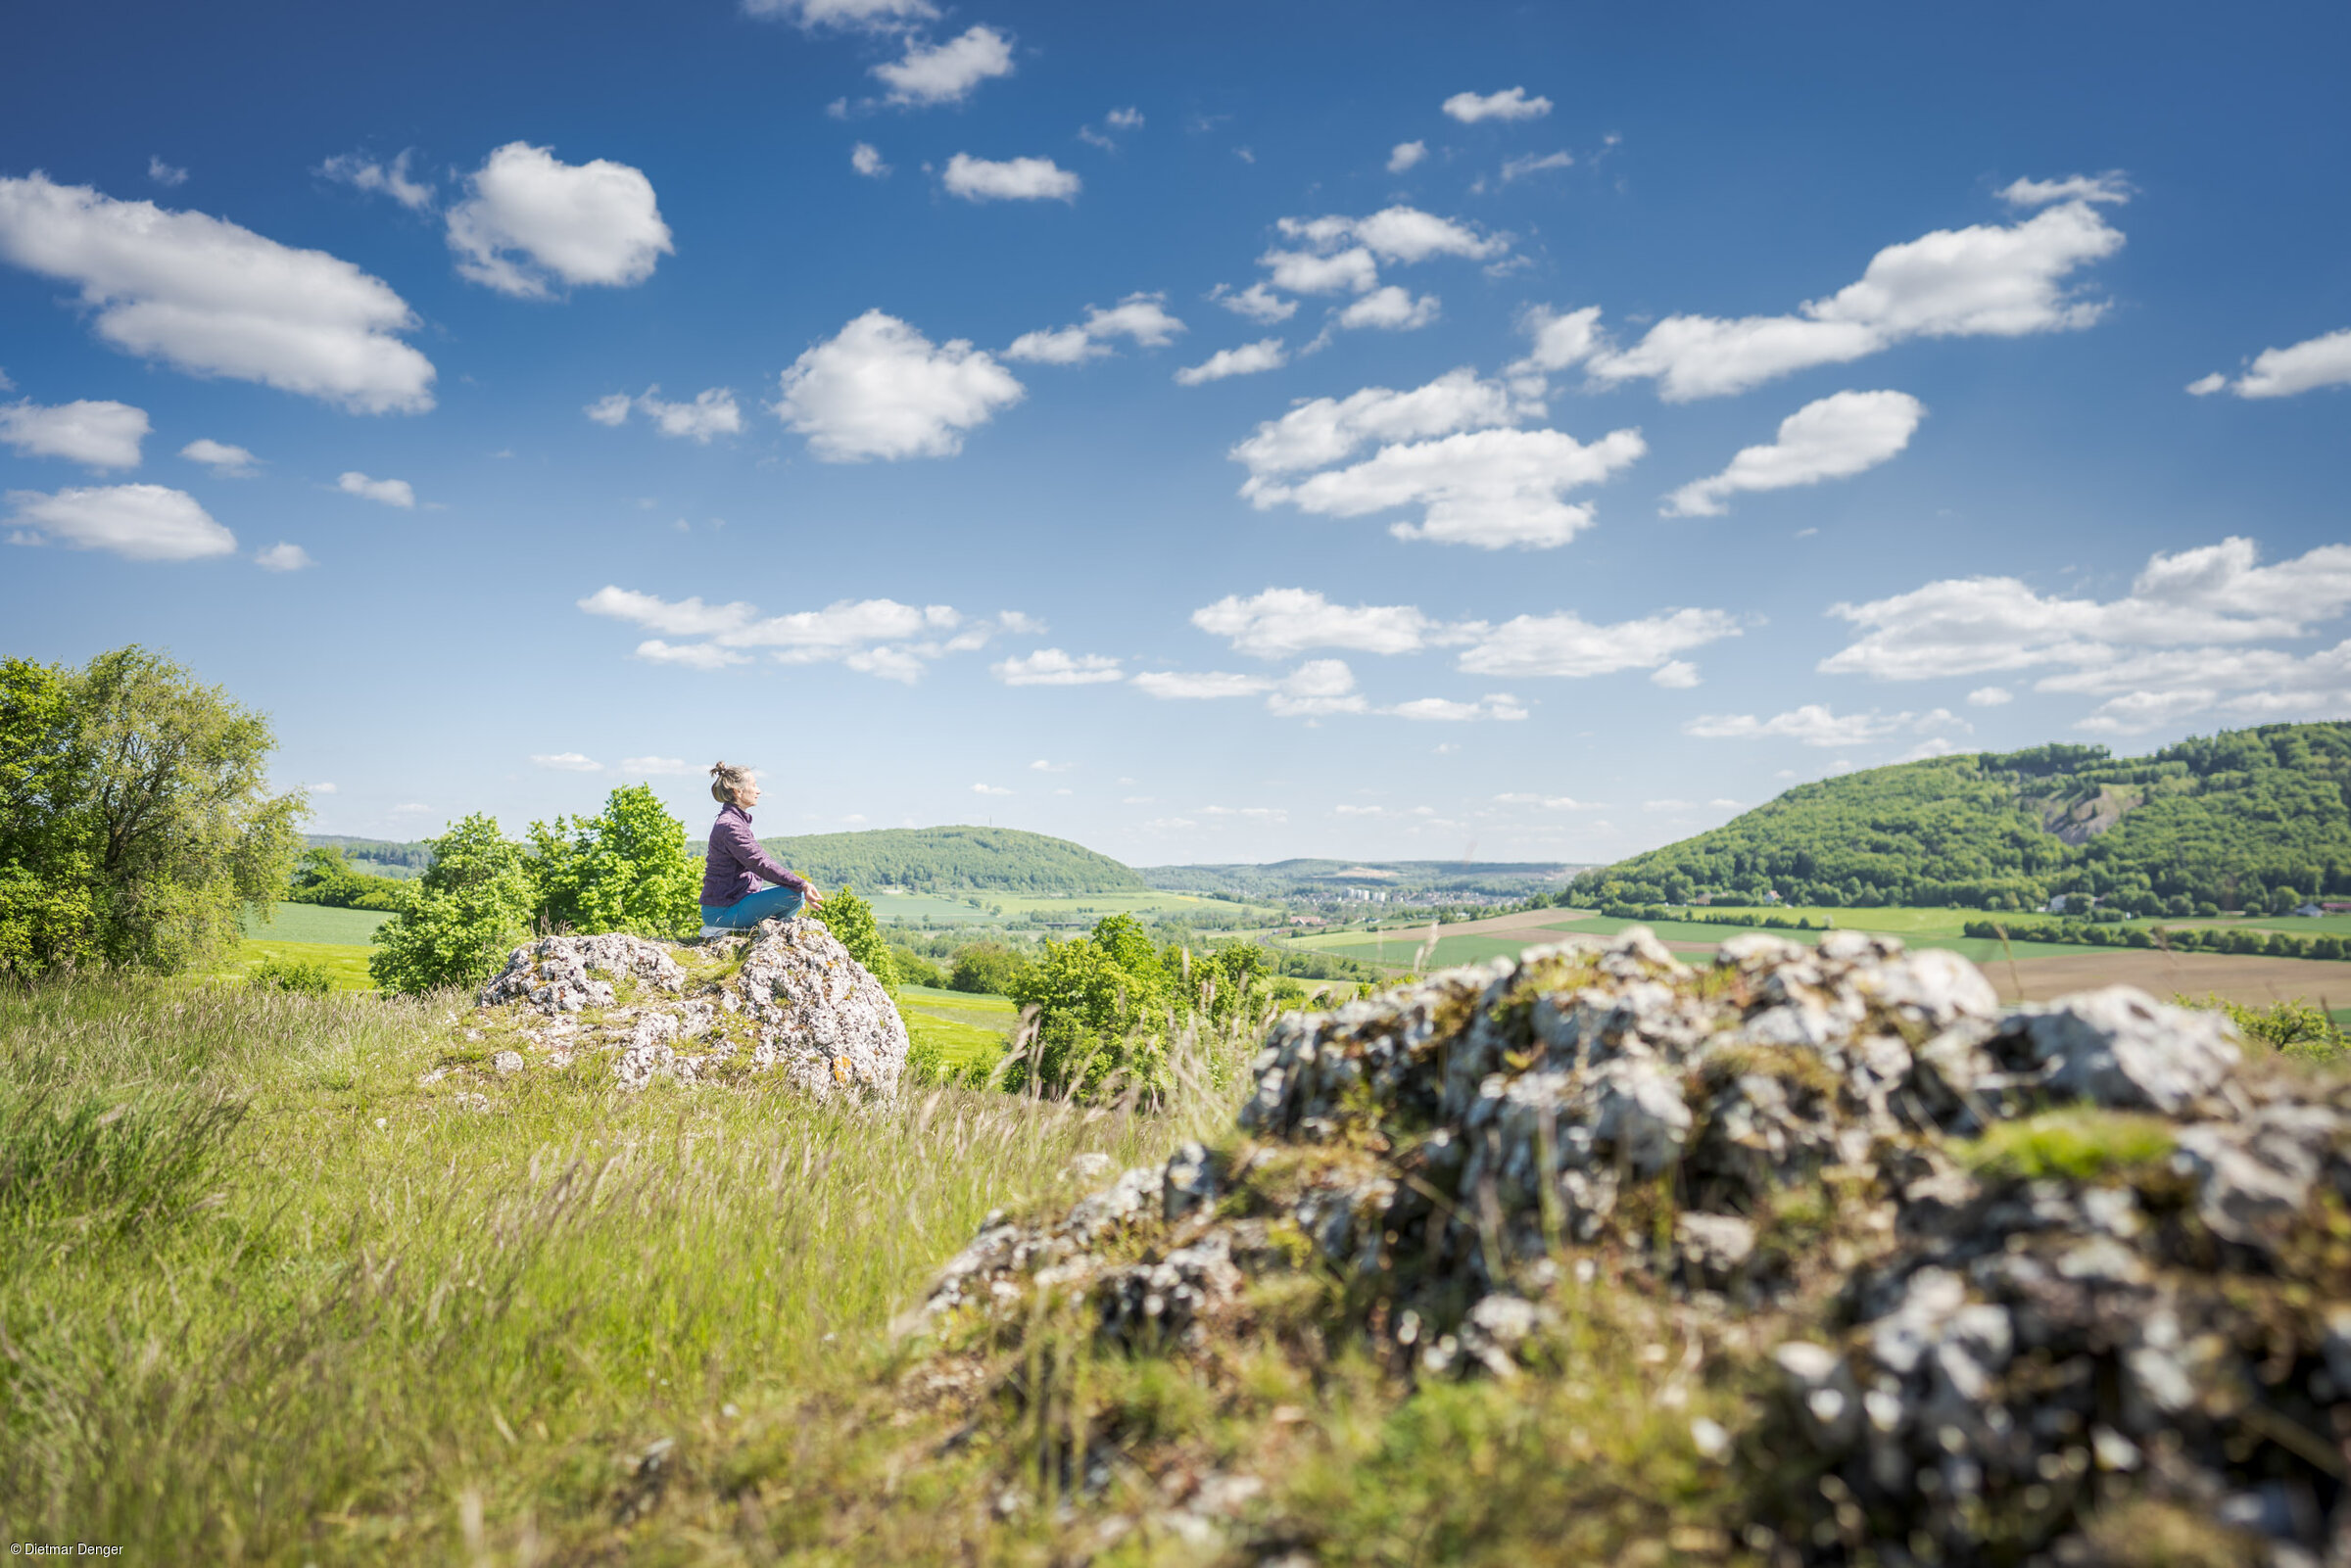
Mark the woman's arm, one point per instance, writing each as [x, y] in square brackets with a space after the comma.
[744, 846]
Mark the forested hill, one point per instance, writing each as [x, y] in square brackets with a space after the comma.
[943, 858]
[2246, 818]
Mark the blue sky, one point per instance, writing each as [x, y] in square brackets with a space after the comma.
[1207, 432]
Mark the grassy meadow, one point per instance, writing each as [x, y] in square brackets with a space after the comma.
[267, 1295]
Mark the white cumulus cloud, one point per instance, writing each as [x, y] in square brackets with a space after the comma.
[1835, 438]
[1326, 430]
[225, 460]
[712, 412]
[1406, 154]
[283, 557]
[1284, 621]
[1390, 309]
[866, 159]
[567, 762]
[1256, 302]
[1348, 271]
[211, 298]
[1012, 179]
[1141, 319]
[877, 637]
[139, 522]
[1982, 281]
[1565, 645]
[170, 176]
[390, 491]
[1053, 667]
[534, 221]
[1989, 697]
[2213, 595]
[364, 174]
[1201, 686]
[2110, 187]
[1493, 488]
[2322, 361]
[1444, 710]
[94, 434]
[1250, 359]
[2183, 641]
[879, 389]
[860, 16]
[1812, 723]
[931, 73]
[1510, 104]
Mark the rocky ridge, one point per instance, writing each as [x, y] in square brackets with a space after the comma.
[786, 997]
[2016, 1267]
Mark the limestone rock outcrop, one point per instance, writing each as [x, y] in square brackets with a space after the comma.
[2043, 1258]
[785, 997]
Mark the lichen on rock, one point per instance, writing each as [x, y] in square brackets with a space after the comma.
[1977, 1349]
[792, 1001]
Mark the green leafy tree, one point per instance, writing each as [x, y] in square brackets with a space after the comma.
[625, 869]
[324, 875]
[472, 908]
[138, 822]
[850, 919]
[988, 969]
[47, 920]
[1105, 1007]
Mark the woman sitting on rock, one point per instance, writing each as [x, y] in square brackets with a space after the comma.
[736, 864]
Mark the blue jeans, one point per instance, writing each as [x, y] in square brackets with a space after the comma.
[768, 903]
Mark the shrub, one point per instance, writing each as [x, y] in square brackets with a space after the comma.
[987, 968]
[289, 975]
[625, 869]
[851, 919]
[1105, 1006]
[2296, 1028]
[916, 969]
[472, 907]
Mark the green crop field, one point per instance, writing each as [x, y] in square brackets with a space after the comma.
[965, 1030]
[316, 923]
[346, 966]
[1400, 948]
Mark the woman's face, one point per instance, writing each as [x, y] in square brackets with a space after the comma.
[747, 795]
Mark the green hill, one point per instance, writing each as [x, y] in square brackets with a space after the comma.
[939, 858]
[1298, 878]
[2257, 818]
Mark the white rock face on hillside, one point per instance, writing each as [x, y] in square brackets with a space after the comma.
[797, 1003]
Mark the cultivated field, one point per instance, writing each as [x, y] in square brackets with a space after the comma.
[2020, 971]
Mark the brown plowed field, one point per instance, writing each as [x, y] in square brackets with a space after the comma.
[2258, 982]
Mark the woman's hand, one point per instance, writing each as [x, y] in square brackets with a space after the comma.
[810, 897]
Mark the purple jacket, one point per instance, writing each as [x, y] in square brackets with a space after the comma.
[736, 863]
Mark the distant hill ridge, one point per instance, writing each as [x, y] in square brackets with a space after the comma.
[2257, 818]
[1282, 877]
[1004, 859]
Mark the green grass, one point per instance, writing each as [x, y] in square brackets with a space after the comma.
[1400, 948]
[352, 1317]
[316, 923]
[957, 1028]
[346, 967]
[2081, 1144]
